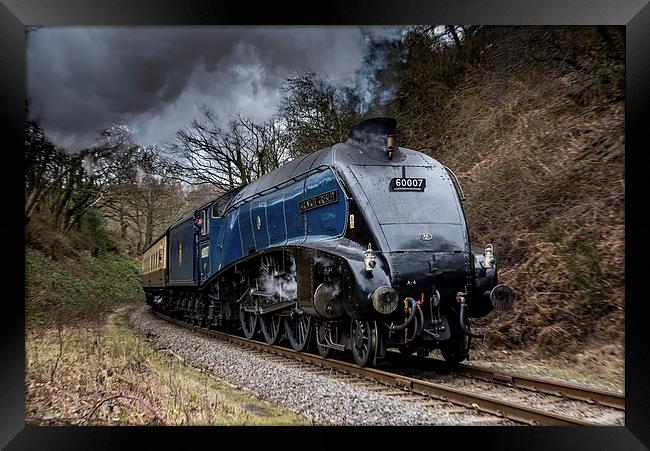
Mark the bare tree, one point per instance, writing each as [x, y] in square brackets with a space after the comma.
[136, 192]
[206, 152]
[317, 115]
[47, 168]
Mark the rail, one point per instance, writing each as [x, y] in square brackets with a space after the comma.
[514, 411]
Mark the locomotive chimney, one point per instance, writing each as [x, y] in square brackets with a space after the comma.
[378, 135]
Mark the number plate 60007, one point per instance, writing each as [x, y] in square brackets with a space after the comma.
[407, 184]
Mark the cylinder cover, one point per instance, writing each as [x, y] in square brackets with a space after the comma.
[328, 301]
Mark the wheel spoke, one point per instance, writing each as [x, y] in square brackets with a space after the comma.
[298, 332]
[363, 335]
[301, 330]
[271, 328]
[248, 324]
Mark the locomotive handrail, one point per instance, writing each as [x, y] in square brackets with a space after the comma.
[456, 183]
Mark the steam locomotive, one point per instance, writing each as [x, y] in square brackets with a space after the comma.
[361, 247]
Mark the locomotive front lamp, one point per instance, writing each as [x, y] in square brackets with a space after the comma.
[390, 146]
[489, 260]
[369, 259]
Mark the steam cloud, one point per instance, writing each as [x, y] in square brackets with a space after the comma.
[82, 80]
[284, 287]
[326, 261]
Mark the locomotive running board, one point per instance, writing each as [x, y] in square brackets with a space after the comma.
[270, 308]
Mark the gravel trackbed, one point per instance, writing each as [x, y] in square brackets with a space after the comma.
[322, 400]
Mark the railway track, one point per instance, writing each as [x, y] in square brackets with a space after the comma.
[526, 382]
[472, 399]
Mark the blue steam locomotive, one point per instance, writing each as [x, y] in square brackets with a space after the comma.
[358, 247]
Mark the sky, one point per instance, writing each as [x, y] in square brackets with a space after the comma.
[81, 80]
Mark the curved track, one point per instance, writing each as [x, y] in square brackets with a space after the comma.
[402, 383]
[533, 383]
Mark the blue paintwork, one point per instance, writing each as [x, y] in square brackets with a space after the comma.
[293, 194]
[246, 229]
[216, 232]
[258, 218]
[237, 234]
[231, 241]
[329, 220]
[204, 259]
[275, 198]
[277, 226]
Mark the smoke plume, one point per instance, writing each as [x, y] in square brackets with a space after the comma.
[83, 80]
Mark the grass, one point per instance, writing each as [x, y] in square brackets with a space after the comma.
[110, 376]
[85, 366]
[77, 288]
[597, 366]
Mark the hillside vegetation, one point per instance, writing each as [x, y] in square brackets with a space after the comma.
[533, 125]
[72, 278]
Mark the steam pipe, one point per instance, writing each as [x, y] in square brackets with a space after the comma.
[407, 323]
[463, 326]
[419, 324]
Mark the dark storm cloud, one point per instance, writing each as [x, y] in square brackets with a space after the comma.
[81, 80]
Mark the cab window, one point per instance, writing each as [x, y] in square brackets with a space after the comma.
[204, 222]
[220, 206]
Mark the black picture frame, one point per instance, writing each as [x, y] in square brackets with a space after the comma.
[16, 14]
